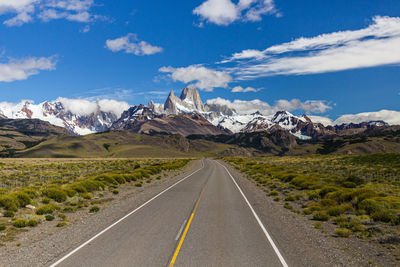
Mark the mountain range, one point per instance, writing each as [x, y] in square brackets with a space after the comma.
[185, 115]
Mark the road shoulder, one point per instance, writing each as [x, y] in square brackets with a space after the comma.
[300, 243]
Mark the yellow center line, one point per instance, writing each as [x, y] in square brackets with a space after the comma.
[178, 248]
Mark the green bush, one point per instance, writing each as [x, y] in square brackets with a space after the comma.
[23, 198]
[55, 193]
[47, 209]
[61, 224]
[33, 222]
[86, 196]
[138, 184]
[273, 193]
[9, 214]
[9, 203]
[338, 210]
[321, 216]
[94, 209]
[383, 216]
[342, 232]
[3, 227]
[20, 223]
[115, 192]
[49, 217]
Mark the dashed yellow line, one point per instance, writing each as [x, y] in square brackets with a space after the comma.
[178, 248]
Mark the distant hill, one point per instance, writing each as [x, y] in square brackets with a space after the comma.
[124, 144]
[25, 133]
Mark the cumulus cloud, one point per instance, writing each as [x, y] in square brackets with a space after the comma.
[206, 79]
[21, 69]
[376, 45]
[225, 12]
[389, 116]
[131, 45]
[240, 89]
[26, 11]
[84, 107]
[246, 107]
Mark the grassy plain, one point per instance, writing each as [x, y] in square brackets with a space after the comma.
[33, 191]
[359, 195]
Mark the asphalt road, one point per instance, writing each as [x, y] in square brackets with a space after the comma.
[203, 220]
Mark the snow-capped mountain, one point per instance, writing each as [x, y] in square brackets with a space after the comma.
[57, 114]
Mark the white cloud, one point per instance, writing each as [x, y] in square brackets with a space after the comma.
[26, 11]
[389, 116]
[131, 45]
[246, 107]
[375, 45]
[85, 29]
[240, 89]
[207, 79]
[21, 69]
[225, 12]
[84, 107]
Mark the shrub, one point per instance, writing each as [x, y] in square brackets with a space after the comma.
[86, 195]
[68, 209]
[307, 211]
[9, 214]
[115, 192]
[46, 200]
[326, 202]
[33, 222]
[342, 232]
[2, 227]
[47, 209]
[20, 223]
[382, 216]
[273, 193]
[23, 198]
[318, 225]
[55, 193]
[9, 203]
[62, 216]
[321, 216]
[277, 199]
[31, 193]
[49, 217]
[289, 198]
[138, 184]
[338, 210]
[61, 224]
[288, 206]
[94, 209]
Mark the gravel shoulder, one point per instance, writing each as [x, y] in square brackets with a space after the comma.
[296, 235]
[44, 244]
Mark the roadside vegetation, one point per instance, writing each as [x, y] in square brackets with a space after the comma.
[36, 191]
[351, 195]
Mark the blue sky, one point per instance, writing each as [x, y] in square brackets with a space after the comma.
[140, 50]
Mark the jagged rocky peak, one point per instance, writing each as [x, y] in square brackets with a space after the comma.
[188, 102]
[191, 96]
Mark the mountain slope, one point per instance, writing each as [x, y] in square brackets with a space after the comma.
[124, 144]
[21, 134]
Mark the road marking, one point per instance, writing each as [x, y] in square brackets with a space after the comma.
[123, 218]
[282, 260]
[180, 230]
[178, 248]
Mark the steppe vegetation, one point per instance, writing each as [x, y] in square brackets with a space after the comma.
[348, 195]
[33, 191]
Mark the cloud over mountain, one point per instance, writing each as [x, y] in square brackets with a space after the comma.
[251, 106]
[204, 78]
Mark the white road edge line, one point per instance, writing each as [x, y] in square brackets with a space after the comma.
[180, 231]
[258, 220]
[123, 218]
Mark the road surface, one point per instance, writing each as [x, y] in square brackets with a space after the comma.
[203, 220]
